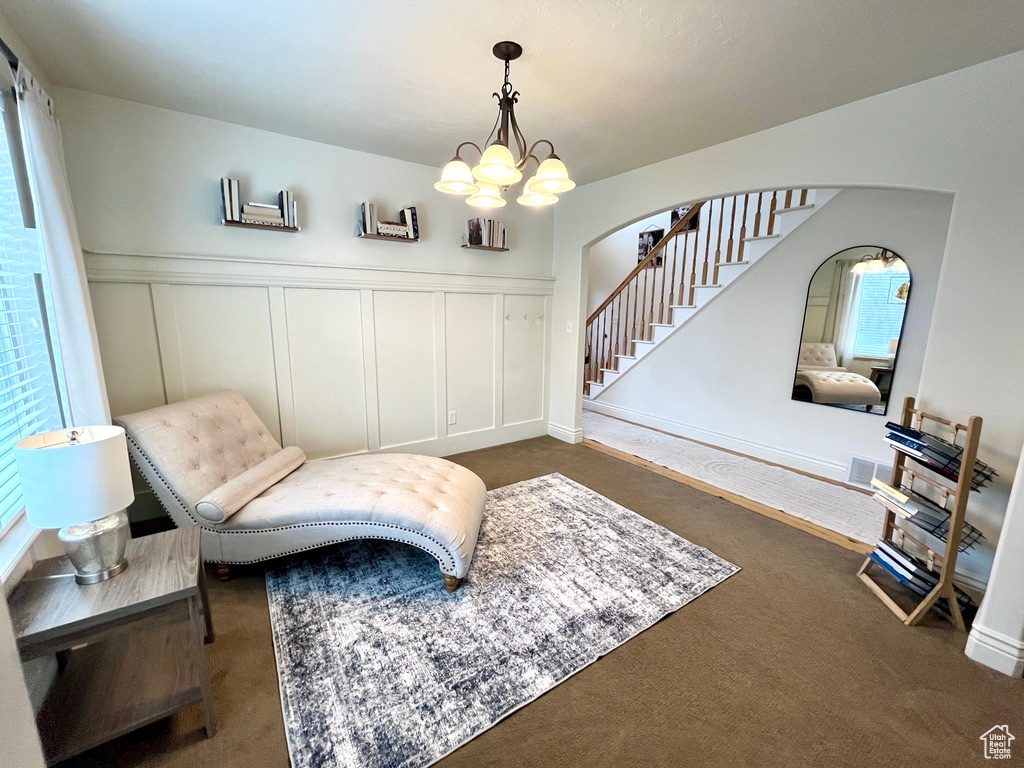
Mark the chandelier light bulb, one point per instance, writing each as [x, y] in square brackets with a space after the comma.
[552, 178]
[456, 179]
[488, 196]
[497, 166]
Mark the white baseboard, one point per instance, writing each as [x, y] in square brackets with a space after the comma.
[803, 462]
[996, 650]
[565, 434]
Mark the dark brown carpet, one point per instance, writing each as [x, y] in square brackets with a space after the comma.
[791, 662]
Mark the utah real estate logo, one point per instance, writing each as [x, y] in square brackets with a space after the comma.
[997, 742]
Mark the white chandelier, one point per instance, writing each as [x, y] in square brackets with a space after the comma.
[498, 169]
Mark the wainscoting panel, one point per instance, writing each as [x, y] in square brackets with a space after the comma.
[406, 388]
[525, 331]
[223, 341]
[469, 334]
[128, 345]
[336, 360]
[325, 355]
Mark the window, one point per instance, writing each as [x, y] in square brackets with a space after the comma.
[879, 312]
[29, 399]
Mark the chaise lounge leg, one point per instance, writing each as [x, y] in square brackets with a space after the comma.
[223, 571]
[451, 583]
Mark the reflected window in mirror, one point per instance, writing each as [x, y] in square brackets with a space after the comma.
[853, 323]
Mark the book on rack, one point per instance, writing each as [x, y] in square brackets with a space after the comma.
[939, 455]
[923, 512]
[408, 217]
[912, 571]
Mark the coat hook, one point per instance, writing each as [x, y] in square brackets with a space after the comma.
[526, 316]
[508, 316]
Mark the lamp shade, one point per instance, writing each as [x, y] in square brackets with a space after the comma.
[456, 179]
[552, 178]
[489, 196]
[497, 166]
[68, 481]
[534, 198]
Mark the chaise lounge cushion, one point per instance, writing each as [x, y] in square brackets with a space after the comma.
[222, 502]
[839, 387]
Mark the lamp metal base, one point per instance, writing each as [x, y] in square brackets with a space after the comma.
[96, 549]
[98, 576]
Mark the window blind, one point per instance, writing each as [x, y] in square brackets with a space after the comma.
[29, 401]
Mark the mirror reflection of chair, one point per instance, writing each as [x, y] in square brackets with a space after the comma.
[853, 322]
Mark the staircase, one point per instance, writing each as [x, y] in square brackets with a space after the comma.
[706, 250]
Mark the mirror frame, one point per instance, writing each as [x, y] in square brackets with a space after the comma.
[903, 328]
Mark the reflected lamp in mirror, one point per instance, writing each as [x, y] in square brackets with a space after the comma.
[853, 321]
[79, 480]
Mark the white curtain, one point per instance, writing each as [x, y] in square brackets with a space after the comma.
[849, 313]
[75, 331]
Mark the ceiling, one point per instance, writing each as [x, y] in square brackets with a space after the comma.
[616, 84]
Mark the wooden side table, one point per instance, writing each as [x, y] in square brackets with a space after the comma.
[130, 649]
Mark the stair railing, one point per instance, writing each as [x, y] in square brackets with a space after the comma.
[679, 263]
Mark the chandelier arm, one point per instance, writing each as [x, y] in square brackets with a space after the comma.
[458, 149]
[494, 127]
[529, 154]
[516, 133]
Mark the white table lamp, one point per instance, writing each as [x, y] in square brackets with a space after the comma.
[79, 480]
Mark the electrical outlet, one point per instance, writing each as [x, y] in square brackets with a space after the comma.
[451, 418]
[568, 327]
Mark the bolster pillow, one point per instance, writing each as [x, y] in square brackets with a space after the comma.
[222, 502]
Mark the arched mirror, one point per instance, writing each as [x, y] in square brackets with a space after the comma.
[853, 322]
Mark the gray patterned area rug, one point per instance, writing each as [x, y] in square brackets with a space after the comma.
[379, 666]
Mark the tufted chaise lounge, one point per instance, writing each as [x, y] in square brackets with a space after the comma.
[818, 370]
[214, 464]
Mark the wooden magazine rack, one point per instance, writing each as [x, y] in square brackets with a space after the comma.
[942, 562]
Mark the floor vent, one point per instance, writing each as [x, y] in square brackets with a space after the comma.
[863, 470]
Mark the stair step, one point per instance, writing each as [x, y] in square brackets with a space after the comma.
[743, 263]
[626, 357]
[663, 325]
[762, 237]
[683, 306]
[793, 208]
[609, 370]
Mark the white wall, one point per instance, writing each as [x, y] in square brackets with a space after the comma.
[614, 257]
[957, 133]
[342, 345]
[726, 376]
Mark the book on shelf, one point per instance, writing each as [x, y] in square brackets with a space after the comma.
[262, 209]
[394, 229]
[263, 219]
[232, 205]
[485, 233]
[368, 219]
[409, 218]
